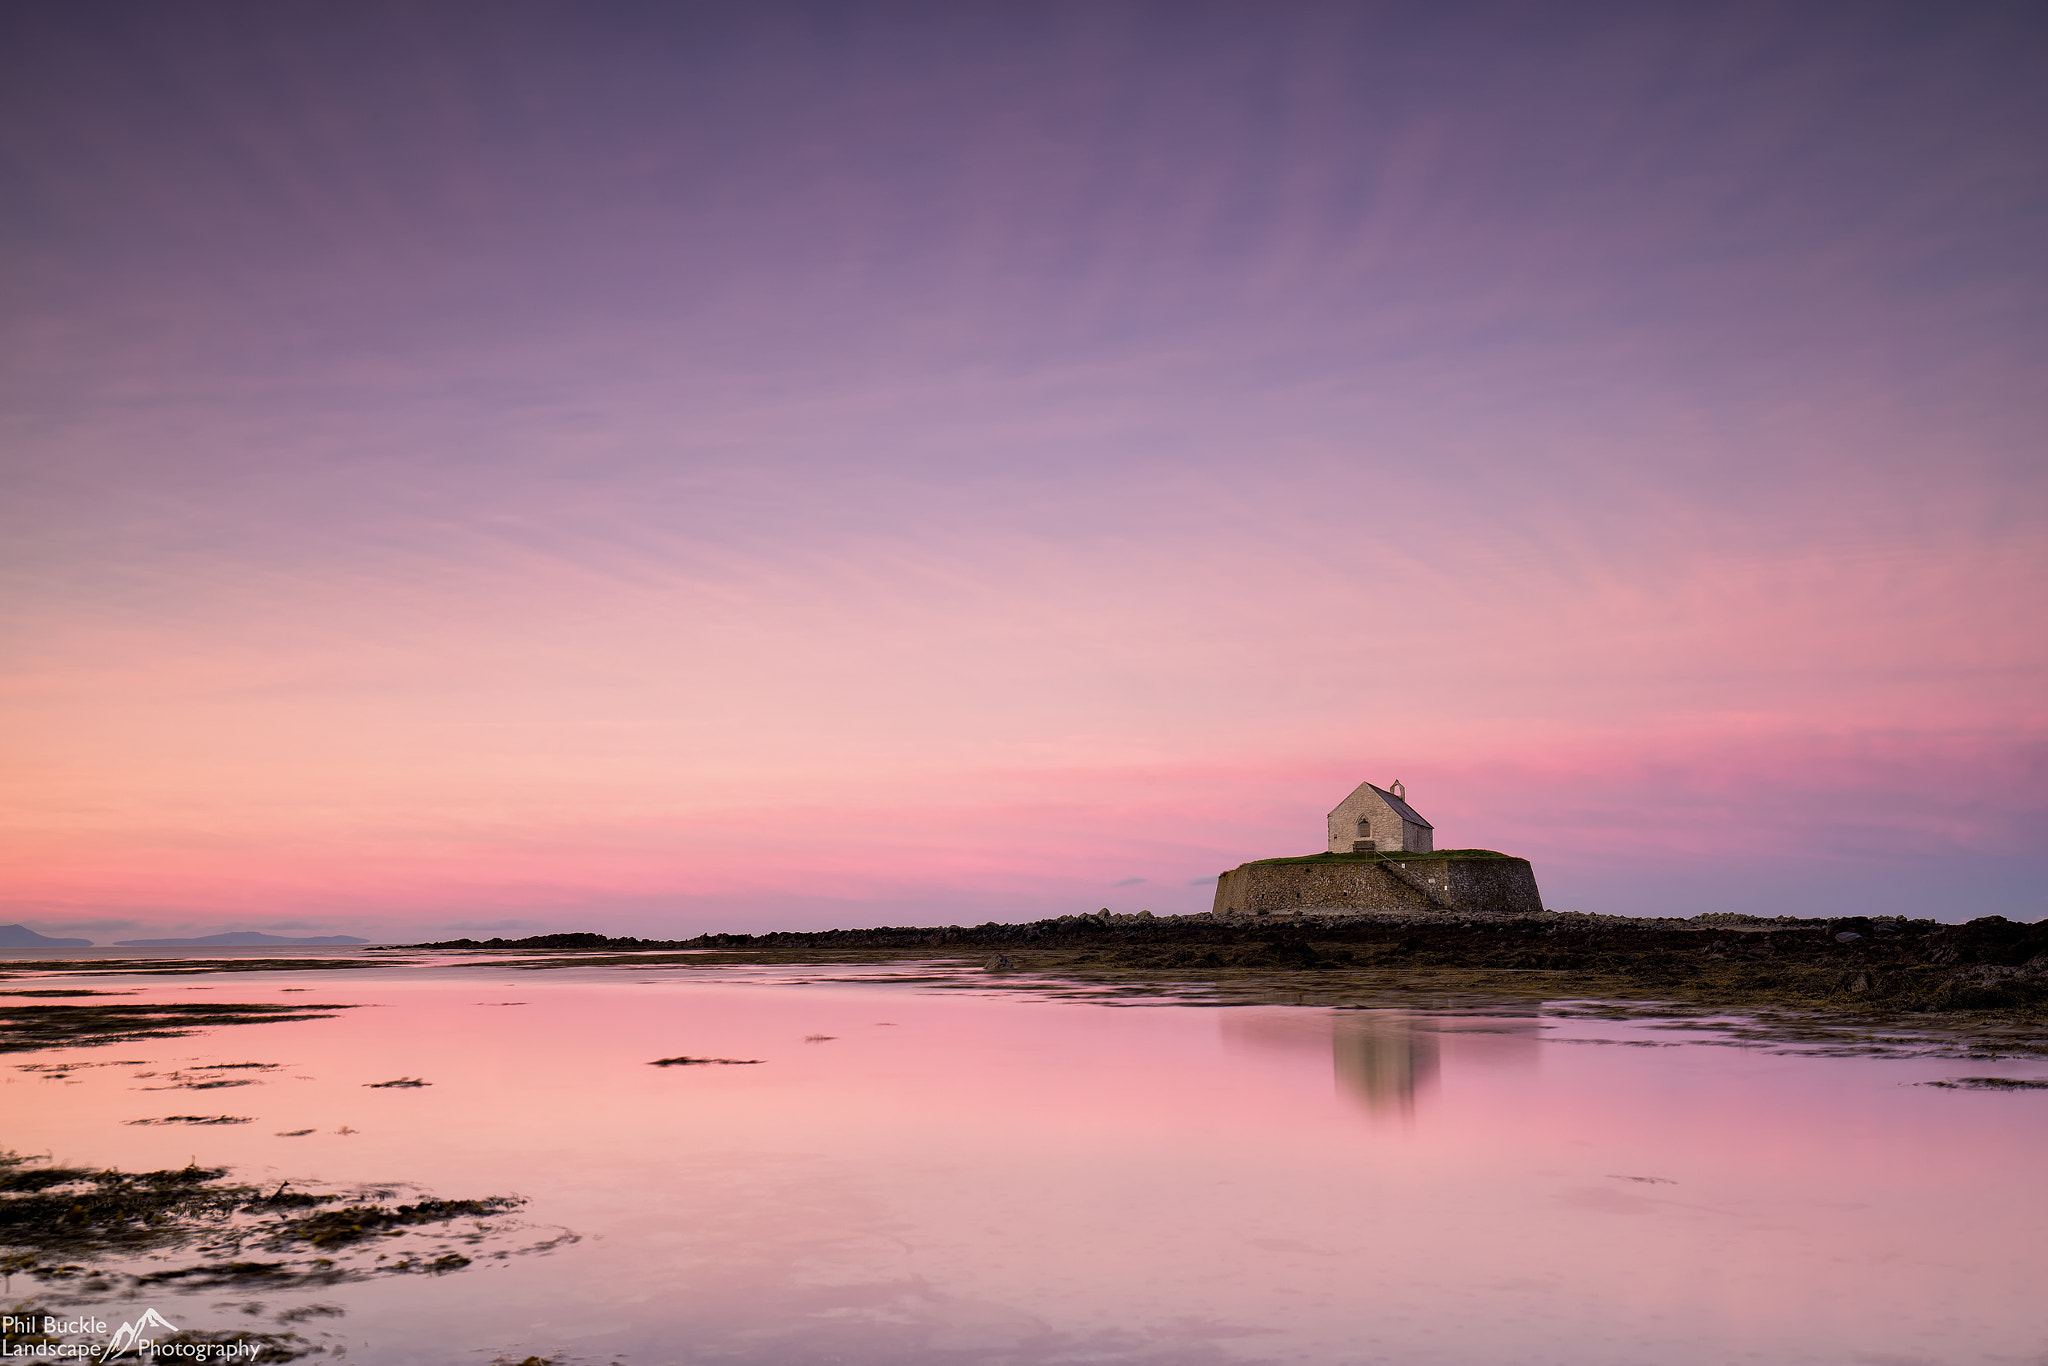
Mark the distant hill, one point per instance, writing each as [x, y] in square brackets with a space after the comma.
[238, 937]
[22, 937]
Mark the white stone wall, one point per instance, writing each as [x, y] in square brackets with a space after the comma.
[1489, 884]
[1383, 825]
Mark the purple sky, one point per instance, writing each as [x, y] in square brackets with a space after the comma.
[665, 467]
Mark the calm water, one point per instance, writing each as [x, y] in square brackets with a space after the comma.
[978, 1177]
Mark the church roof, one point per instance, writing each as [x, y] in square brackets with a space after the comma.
[1401, 808]
[1406, 812]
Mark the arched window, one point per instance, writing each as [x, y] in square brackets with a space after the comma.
[1364, 827]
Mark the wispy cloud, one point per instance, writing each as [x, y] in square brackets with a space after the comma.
[965, 465]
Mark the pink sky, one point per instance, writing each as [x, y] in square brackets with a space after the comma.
[658, 469]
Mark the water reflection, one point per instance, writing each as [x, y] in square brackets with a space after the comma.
[1387, 1059]
[1384, 1059]
[996, 1182]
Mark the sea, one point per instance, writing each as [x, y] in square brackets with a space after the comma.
[919, 1164]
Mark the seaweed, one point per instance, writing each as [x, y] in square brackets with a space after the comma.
[74, 1211]
[196, 1119]
[52, 991]
[24, 1028]
[89, 1231]
[335, 1228]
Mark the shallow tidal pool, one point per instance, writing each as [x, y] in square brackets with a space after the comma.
[895, 1172]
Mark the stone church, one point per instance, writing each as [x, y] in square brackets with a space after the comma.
[1381, 860]
[1378, 819]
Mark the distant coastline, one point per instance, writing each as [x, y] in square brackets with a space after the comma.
[242, 938]
[22, 937]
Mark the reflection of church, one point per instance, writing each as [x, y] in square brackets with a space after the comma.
[1386, 1058]
[1382, 1058]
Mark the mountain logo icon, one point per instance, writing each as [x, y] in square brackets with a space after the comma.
[129, 1337]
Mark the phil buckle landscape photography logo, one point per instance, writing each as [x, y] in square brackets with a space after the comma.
[51, 1337]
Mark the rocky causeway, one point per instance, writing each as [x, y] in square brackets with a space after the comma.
[1869, 965]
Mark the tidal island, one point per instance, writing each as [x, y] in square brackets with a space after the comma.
[1380, 860]
[1381, 918]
